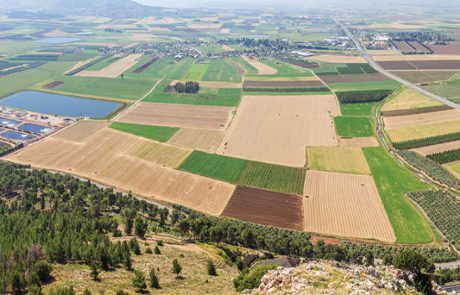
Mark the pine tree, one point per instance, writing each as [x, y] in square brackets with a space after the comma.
[154, 283]
[139, 281]
[157, 250]
[211, 268]
[176, 268]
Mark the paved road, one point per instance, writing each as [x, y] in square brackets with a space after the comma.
[451, 288]
[378, 68]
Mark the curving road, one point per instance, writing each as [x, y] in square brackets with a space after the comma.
[378, 68]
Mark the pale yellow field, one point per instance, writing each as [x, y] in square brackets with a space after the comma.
[346, 205]
[359, 142]
[421, 119]
[454, 168]
[337, 58]
[86, 128]
[383, 52]
[115, 69]
[423, 131]
[409, 99]
[277, 129]
[226, 47]
[337, 159]
[128, 163]
[179, 115]
[262, 68]
[438, 148]
[416, 57]
[200, 139]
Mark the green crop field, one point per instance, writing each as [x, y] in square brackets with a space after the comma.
[168, 68]
[105, 87]
[248, 68]
[103, 63]
[273, 177]
[357, 109]
[393, 182]
[353, 126]
[196, 72]
[206, 96]
[213, 166]
[222, 70]
[158, 133]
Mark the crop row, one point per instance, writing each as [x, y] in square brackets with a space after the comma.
[443, 209]
[146, 65]
[23, 68]
[362, 96]
[281, 89]
[37, 57]
[87, 65]
[356, 68]
[406, 112]
[416, 143]
[446, 157]
[431, 168]
[299, 62]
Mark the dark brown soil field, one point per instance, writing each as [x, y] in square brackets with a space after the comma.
[146, 65]
[419, 47]
[286, 84]
[451, 48]
[396, 65]
[264, 207]
[403, 47]
[406, 112]
[353, 78]
[425, 76]
[53, 84]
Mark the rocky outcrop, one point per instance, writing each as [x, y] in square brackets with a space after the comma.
[324, 277]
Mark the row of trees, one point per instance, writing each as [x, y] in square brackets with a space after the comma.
[187, 87]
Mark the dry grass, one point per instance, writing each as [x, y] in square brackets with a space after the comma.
[421, 119]
[276, 129]
[453, 168]
[179, 115]
[192, 258]
[86, 128]
[338, 58]
[129, 163]
[226, 47]
[409, 99]
[262, 68]
[115, 69]
[204, 140]
[438, 148]
[338, 159]
[346, 205]
[359, 142]
[423, 131]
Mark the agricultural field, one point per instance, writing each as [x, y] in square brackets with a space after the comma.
[359, 142]
[438, 148]
[423, 131]
[196, 72]
[261, 68]
[353, 126]
[178, 115]
[222, 70]
[357, 109]
[129, 163]
[158, 133]
[276, 129]
[337, 159]
[454, 168]
[200, 139]
[393, 181]
[425, 76]
[347, 205]
[113, 69]
[407, 101]
[408, 121]
[264, 207]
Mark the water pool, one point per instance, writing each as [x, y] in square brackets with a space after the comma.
[17, 135]
[35, 128]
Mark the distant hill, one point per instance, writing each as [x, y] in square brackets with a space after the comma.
[100, 8]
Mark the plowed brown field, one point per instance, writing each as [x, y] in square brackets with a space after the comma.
[128, 163]
[277, 129]
[179, 115]
[267, 208]
[346, 205]
[421, 119]
[200, 139]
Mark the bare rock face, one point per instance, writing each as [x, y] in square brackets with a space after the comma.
[325, 277]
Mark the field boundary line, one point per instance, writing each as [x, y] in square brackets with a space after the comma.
[137, 101]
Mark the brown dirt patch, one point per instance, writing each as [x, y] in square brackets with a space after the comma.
[345, 205]
[438, 148]
[353, 78]
[413, 57]
[179, 115]
[396, 65]
[421, 65]
[420, 119]
[451, 48]
[129, 163]
[264, 207]
[262, 68]
[359, 142]
[200, 139]
[276, 129]
[53, 85]
[114, 69]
